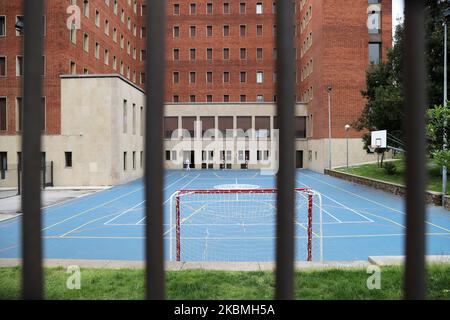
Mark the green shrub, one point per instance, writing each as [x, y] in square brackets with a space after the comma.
[390, 168]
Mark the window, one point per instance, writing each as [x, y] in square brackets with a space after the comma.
[115, 35]
[73, 36]
[115, 7]
[176, 9]
[97, 50]
[374, 52]
[3, 114]
[192, 8]
[43, 110]
[176, 98]
[192, 98]
[243, 53]
[73, 67]
[176, 77]
[176, 31]
[170, 125]
[259, 30]
[167, 155]
[142, 77]
[97, 18]
[142, 121]
[134, 160]
[209, 31]
[242, 8]
[226, 31]
[259, 8]
[242, 30]
[226, 77]
[176, 54]
[226, 98]
[243, 76]
[209, 98]
[125, 116]
[2, 26]
[226, 8]
[2, 66]
[259, 53]
[86, 42]
[192, 54]
[259, 77]
[19, 66]
[209, 77]
[143, 55]
[209, 8]
[259, 98]
[19, 19]
[243, 98]
[300, 127]
[68, 159]
[192, 31]
[192, 77]
[209, 54]
[114, 63]
[134, 118]
[107, 27]
[226, 53]
[374, 21]
[143, 32]
[125, 161]
[86, 8]
[19, 110]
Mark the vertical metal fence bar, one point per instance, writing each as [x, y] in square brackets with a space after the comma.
[154, 171]
[286, 173]
[32, 277]
[416, 149]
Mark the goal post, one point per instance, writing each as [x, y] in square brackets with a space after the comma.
[239, 224]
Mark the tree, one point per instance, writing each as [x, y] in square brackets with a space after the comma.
[384, 109]
[436, 128]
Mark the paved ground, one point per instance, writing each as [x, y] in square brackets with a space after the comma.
[10, 206]
[357, 222]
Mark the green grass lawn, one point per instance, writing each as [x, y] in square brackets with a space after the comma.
[220, 285]
[374, 171]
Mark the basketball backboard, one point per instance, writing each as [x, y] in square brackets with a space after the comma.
[379, 139]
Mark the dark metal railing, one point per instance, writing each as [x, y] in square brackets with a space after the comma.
[416, 150]
[31, 145]
[32, 277]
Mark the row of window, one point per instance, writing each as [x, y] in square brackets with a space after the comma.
[225, 77]
[226, 53]
[175, 127]
[19, 32]
[308, 95]
[307, 69]
[226, 30]
[226, 8]
[133, 160]
[19, 66]
[4, 113]
[307, 43]
[225, 98]
[225, 155]
[134, 118]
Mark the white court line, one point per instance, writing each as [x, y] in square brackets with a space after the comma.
[168, 199]
[85, 224]
[123, 212]
[341, 204]
[250, 238]
[93, 208]
[375, 202]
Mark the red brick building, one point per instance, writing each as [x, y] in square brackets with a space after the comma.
[220, 54]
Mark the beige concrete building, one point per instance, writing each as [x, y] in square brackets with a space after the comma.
[102, 136]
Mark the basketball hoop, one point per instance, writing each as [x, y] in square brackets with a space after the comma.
[372, 148]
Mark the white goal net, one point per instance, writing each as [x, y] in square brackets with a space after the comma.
[240, 225]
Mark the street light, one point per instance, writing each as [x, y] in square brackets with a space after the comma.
[347, 127]
[446, 14]
[329, 89]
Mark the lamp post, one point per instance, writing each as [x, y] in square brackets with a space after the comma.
[446, 14]
[347, 127]
[329, 89]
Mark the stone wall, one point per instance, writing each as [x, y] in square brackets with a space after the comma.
[397, 189]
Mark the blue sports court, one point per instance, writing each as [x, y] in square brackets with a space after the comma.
[357, 221]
